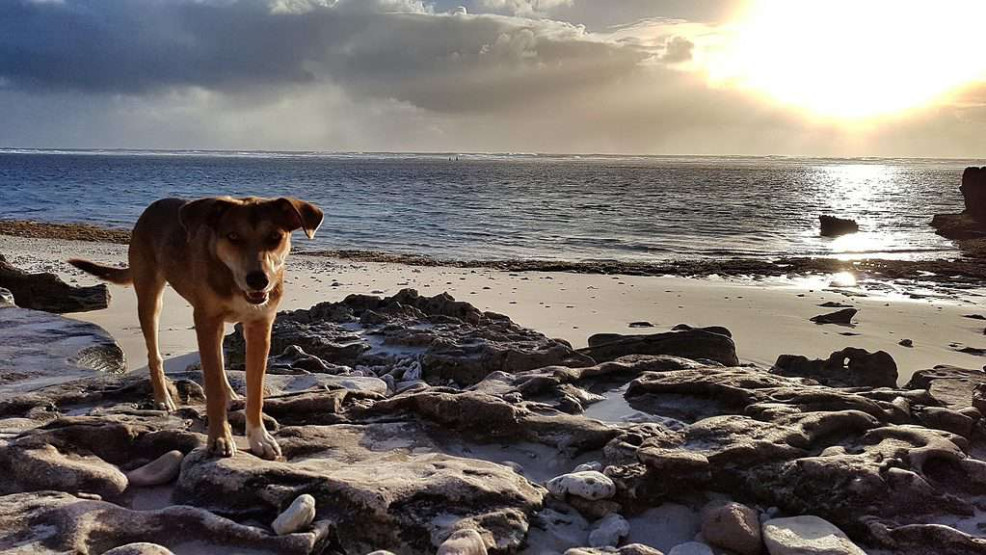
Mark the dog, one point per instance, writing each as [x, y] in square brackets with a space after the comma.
[226, 257]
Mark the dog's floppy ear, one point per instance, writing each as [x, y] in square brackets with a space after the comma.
[204, 211]
[298, 214]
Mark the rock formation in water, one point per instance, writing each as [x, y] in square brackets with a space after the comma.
[969, 226]
[831, 226]
[415, 424]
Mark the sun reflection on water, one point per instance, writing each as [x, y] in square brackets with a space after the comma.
[857, 190]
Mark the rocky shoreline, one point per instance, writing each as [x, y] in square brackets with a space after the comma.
[421, 424]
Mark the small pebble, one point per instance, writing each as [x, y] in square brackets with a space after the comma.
[463, 542]
[139, 548]
[609, 530]
[300, 514]
[591, 485]
[161, 470]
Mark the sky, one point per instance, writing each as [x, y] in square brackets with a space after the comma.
[746, 77]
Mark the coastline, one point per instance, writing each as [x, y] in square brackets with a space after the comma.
[958, 272]
[768, 315]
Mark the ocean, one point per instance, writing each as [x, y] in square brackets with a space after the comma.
[546, 207]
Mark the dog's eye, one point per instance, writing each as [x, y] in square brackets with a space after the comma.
[274, 239]
[233, 237]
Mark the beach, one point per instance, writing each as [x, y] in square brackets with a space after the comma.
[768, 316]
[504, 398]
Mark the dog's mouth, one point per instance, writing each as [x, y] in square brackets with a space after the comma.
[256, 297]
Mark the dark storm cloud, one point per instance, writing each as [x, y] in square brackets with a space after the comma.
[388, 49]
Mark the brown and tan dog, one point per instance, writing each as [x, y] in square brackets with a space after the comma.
[226, 257]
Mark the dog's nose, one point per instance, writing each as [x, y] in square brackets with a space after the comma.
[257, 280]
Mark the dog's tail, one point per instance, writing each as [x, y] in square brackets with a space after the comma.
[119, 276]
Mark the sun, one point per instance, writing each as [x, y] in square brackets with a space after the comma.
[854, 59]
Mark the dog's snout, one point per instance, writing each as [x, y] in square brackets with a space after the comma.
[257, 280]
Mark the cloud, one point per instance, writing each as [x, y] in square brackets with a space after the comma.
[677, 50]
[403, 75]
[389, 49]
[522, 7]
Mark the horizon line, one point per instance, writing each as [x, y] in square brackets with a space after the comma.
[233, 152]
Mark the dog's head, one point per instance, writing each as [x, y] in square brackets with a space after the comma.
[251, 236]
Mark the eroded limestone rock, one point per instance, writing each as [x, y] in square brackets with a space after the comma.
[49, 293]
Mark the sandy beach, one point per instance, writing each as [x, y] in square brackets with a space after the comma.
[768, 316]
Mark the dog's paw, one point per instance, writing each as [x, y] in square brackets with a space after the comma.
[263, 444]
[222, 445]
[166, 403]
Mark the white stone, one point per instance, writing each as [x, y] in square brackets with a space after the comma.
[160, 471]
[609, 531]
[300, 514]
[139, 548]
[590, 484]
[807, 535]
[594, 465]
[463, 542]
[691, 548]
[6, 298]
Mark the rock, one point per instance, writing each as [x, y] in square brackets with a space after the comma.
[384, 485]
[691, 548]
[698, 343]
[973, 191]
[843, 317]
[806, 535]
[849, 367]
[447, 339]
[906, 343]
[591, 485]
[594, 465]
[139, 548]
[49, 293]
[161, 470]
[463, 542]
[629, 549]
[641, 325]
[38, 349]
[950, 385]
[832, 226]
[732, 526]
[73, 525]
[833, 304]
[295, 358]
[46, 468]
[947, 419]
[296, 517]
[609, 530]
[6, 298]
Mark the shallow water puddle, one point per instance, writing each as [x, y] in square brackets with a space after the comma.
[615, 408]
[539, 463]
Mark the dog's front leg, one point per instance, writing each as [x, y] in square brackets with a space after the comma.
[209, 330]
[257, 335]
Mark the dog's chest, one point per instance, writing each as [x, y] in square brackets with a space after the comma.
[239, 310]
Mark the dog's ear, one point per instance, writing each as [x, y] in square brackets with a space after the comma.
[204, 211]
[298, 214]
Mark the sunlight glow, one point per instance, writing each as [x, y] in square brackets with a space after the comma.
[853, 59]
